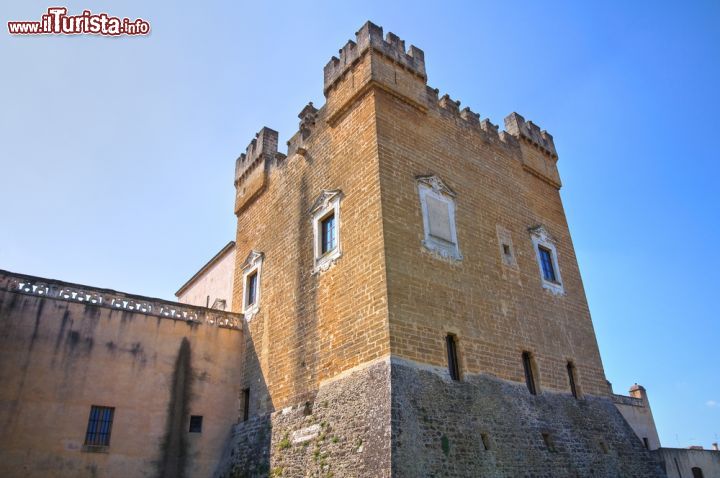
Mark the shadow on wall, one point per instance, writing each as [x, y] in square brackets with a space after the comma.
[305, 357]
[253, 434]
[174, 449]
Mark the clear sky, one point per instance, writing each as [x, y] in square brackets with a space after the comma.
[117, 154]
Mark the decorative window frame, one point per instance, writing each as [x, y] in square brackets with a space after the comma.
[253, 263]
[541, 238]
[328, 202]
[432, 186]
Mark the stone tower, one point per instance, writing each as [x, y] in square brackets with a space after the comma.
[412, 298]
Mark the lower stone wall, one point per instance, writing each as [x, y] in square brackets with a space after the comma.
[439, 426]
[344, 432]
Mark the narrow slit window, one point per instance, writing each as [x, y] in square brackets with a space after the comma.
[485, 441]
[571, 379]
[99, 426]
[246, 404]
[546, 261]
[548, 440]
[195, 424]
[646, 443]
[329, 234]
[453, 365]
[604, 448]
[529, 375]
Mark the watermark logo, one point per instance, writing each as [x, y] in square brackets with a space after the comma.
[57, 22]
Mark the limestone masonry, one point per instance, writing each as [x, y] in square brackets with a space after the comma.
[406, 302]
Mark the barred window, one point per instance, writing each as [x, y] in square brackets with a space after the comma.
[99, 426]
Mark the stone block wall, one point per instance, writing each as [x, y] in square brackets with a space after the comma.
[343, 432]
[483, 426]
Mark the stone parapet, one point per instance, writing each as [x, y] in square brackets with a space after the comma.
[111, 299]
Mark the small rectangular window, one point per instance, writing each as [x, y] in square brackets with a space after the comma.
[529, 375]
[604, 448]
[485, 441]
[549, 442]
[546, 260]
[453, 365]
[251, 289]
[99, 426]
[246, 404]
[646, 443]
[571, 378]
[329, 236]
[196, 423]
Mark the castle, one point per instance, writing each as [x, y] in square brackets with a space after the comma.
[402, 299]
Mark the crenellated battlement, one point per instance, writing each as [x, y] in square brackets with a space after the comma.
[370, 37]
[263, 146]
[465, 115]
[530, 132]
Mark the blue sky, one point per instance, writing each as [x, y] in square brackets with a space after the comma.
[117, 154]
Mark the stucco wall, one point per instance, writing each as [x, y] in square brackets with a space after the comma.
[60, 357]
[679, 462]
[637, 412]
[216, 282]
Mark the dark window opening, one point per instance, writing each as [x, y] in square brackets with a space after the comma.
[506, 250]
[549, 443]
[571, 378]
[529, 376]
[697, 472]
[546, 261]
[251, 289]
[646, 443]
[603, 447]
[453, 365]
[195, 424]
[246, 404]
[485, 441]
[328, 232]
[207, 302]
[99, 426]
